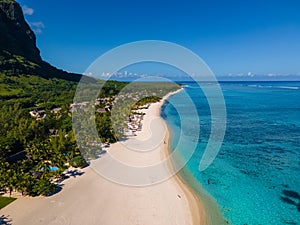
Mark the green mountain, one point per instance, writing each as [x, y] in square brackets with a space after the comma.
[18, 51]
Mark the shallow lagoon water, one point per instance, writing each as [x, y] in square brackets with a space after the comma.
[255, 178]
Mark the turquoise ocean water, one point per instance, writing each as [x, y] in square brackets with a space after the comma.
[255, 178]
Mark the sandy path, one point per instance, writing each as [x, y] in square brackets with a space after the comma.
[91, 199]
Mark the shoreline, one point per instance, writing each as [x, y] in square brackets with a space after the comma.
[205, 209]
[197, 208]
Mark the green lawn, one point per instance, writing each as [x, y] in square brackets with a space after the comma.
[4, 201]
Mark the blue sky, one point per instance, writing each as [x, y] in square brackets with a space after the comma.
[232, 36]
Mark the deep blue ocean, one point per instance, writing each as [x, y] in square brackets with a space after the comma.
[255, 178]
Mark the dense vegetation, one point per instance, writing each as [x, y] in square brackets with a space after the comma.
[146, 100]
[30, 147]
[27, 149]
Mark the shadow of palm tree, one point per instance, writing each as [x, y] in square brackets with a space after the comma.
[57, 189]
[4, 220]
[67, 175]
[74, 173]
[103, 152]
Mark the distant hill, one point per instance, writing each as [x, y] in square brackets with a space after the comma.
[18, 51]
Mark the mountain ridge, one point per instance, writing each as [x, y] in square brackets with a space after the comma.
[18, 51]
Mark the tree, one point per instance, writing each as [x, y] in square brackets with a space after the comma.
[78, 161]
[43, 187]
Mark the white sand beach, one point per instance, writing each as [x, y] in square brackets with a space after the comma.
[91, 199]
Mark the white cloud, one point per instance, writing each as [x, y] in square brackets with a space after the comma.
[27, 11]
[37, 27]
[250, 74]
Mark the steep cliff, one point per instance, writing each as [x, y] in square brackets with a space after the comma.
[16, 36]
[18, 51]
